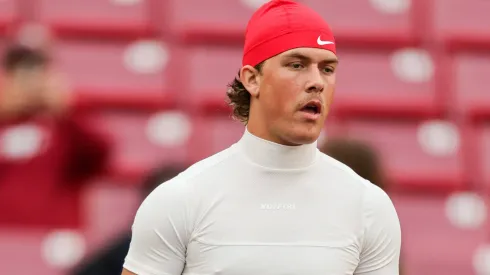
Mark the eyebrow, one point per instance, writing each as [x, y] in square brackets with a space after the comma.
[331, 60]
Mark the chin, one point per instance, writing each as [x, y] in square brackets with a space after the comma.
[304, 135]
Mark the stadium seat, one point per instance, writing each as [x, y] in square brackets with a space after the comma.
[8, 14]
[216, 132]
[470, 81]
[108, 210]
[22, 252]
[97, 18]
[383, 83]
[118, 74]
[209, 21]
[418, 156]
[431, 244]
[369, 22]
[142, 140]
[211, 68]
[483, 156]
[462, 23]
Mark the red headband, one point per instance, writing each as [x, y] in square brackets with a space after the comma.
[281, 25]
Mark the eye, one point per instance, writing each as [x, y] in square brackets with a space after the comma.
[328, 70]
[296, 65]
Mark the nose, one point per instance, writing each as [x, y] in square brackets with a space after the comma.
[316, 82]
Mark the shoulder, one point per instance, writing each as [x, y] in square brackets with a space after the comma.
[344, 176]
[183, 185]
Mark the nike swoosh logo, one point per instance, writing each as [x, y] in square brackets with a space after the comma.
[322, 43]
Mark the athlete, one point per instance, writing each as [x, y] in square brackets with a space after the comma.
[272, 203]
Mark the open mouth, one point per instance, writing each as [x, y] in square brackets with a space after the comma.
[312, 107]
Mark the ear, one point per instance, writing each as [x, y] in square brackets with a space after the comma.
[250, 78]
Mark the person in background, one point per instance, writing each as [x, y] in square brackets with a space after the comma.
[47, 149]
[359, 156]
[109, 261]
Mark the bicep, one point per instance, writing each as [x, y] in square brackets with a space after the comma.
[381, 246]
[159, 235]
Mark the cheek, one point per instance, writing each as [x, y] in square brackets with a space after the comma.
[330, 90]
[284, 95]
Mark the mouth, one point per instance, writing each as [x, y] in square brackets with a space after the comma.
[313, 107]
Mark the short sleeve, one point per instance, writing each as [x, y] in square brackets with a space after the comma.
[161, 231]
[381, 244]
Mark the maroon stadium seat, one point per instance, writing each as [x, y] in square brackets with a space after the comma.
[111, 74]
[140, 141]
[431, 243]
[416, 157]
[364, 22]
[382, 82]
[462, 23]
[210, 70]
[97, 18]
[22, 252]
[211, 20]
[470, 82]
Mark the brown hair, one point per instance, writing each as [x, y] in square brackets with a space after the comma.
[239, 97]
[359, 156]
[18, 56]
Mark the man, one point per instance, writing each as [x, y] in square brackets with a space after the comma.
[109, 260]
[271, 203]
[46, 149]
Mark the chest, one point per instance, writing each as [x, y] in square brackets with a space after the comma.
[291, 231]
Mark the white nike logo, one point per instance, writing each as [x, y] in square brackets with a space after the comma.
[321, 42]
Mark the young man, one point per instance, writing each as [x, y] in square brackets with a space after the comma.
[271, 203]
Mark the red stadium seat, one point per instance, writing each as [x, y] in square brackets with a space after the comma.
[108, 210]
[386, 83]
[470, 76]
[419, 157]
[483, 156]
[210, 70]
[462, 23]
[142, 140]
[97, 18]
[8, 14]
[22, 252]
[211, 20]
[216, 132]
[431, 244]
[365, 22]
[117, 74]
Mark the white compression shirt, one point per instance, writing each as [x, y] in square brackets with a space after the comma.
[266, 209]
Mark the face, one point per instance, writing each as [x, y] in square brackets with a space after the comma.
[25, 88]
[292, 95]
[30, 81]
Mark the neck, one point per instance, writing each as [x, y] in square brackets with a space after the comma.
[274, 155]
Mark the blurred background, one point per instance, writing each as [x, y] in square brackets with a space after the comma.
[102, 100]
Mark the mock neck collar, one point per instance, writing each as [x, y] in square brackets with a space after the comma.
[277, 156]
